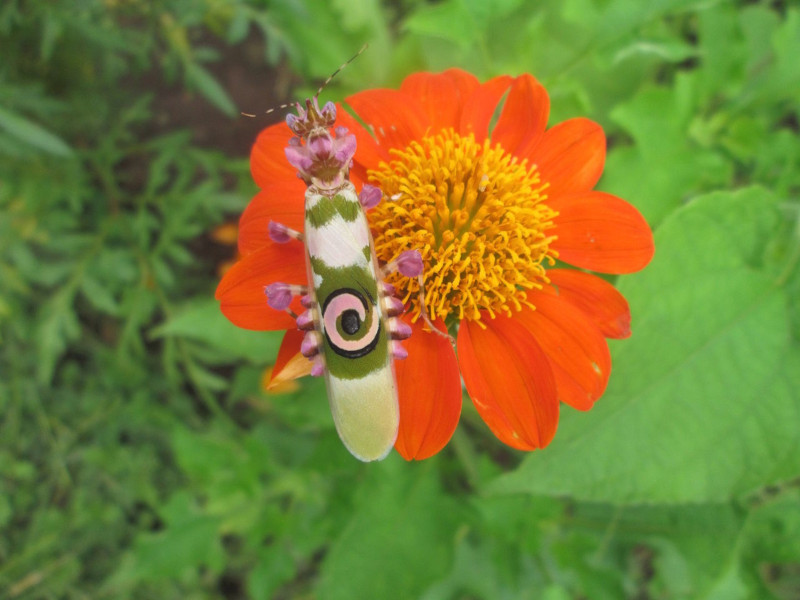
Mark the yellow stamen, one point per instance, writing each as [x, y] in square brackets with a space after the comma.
[477, 215]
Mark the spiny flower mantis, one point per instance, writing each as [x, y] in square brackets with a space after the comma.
[351, 319]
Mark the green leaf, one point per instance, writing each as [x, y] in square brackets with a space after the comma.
[513, 527]
[52, 30]
[219, 459]
[189, 541]
[33, 134]
[664, 167]
[722, 48]
[238, 26]
[99, 296]
[781, 79]
[450, 20]
[198, 77]
[476, 574]
[203, 322]
[695, 549]
[399, 539]
[205, 379]
[58, 326]
[5, 510]
[701, 405]
[274, 566]
[772, 546]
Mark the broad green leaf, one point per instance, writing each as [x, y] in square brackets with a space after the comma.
[600, 33]
[772, 545]
[694, 547]
[723, 50]
[202, 321]
[790, 271]
[613, 18]
[359, 15]
[556, 592]
[450, 21]
[777, 161]
[32, 134]
[781, 77]
[515, 527]
[477, 574]
[758, 24]
[214, 459]
[702, 402]
[590, 571]
[297, 27]
[399, 539]
[190, 541]
[664, 167]
[484, 11]
[787, 45]
[730, 586]
[273, 568]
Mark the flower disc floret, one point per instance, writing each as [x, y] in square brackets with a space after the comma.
[478, 216]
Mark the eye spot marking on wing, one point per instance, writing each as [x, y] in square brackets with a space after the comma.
[351, 323]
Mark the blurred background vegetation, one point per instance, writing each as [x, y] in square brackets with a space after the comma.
[140, 456]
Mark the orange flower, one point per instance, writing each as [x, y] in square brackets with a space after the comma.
[491, 212]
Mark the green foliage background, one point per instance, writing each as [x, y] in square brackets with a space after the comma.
[139, 457]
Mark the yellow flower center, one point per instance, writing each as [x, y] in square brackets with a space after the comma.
[476, 214]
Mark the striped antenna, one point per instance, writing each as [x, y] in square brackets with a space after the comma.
[322, 87]
[339, 70]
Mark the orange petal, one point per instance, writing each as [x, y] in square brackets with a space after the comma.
[597, 298]
[442, 95]
[429, 391]
[289, 364]
[357, 180]
[510, 381]
[480, 107]
[393, 117]
[576, 349]
[368, 153]
[281, 201]
[600, 232]
[278, 385]
[524, 117]
[241, 291]
[570, 156]
[267, 160]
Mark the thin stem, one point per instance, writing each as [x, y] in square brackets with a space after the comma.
[467, 457]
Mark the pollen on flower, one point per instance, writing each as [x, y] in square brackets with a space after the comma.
[478, 216]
